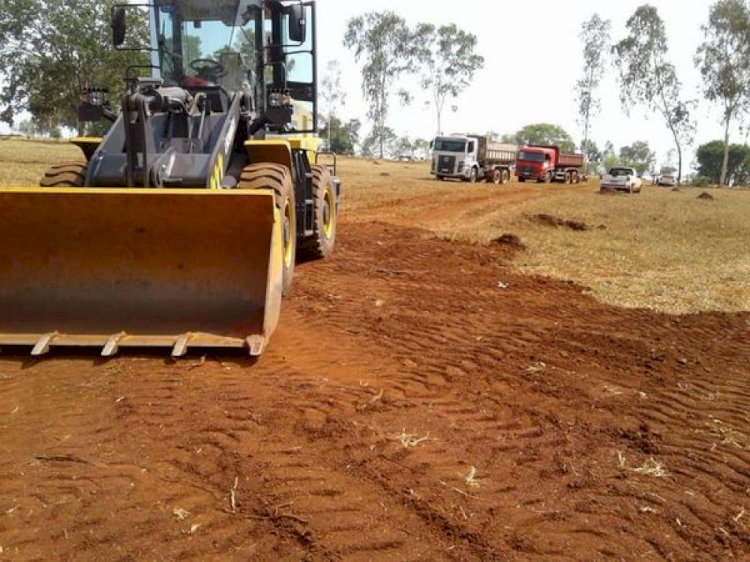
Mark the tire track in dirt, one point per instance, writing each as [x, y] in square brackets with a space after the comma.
[444, 347]
[408, 409]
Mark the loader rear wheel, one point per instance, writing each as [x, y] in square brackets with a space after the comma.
[278, 179]
[320, 243]
[72, 174]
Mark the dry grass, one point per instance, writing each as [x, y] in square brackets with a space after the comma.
[23, 163]
[661, 249]
[665, 250]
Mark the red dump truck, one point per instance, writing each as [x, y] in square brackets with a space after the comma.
[547, 163]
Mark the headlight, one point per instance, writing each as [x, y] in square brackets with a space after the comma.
[95, 96]
[280, 99]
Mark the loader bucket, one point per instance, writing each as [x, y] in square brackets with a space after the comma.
[120, 268]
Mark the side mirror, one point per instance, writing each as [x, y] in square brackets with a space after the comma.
[297, 23]
[119, 27]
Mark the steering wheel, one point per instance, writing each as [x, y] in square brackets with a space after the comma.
[208, 68]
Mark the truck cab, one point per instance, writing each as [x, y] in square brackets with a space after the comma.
[536, 163]
[455, 157]
[547, 163]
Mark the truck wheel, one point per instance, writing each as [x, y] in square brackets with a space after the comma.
[505, 177]
[441, 178]
[278, 179]
[320, 243]
[497, 177]
[65, 175]
[575, 178]
[473, 175]
[522, 180]
[568, 178]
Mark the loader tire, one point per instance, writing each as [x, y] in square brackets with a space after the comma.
[320, 244]
[278, 179]
[72, 174]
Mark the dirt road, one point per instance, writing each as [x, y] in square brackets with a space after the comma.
[420, 401]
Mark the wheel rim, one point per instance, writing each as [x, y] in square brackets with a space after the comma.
[288, 234]
[328, 214]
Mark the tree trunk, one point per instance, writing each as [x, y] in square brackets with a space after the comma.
[81, 128]
[725, 160]
[330, 114]
[679, 163]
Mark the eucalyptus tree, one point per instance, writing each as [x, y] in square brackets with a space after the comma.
[724, 61]
[649, 80]
[595, 35]
[384, 44]
[448, 60]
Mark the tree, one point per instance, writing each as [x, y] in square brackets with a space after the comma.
[638, 155]
[593, 155]
[448, 61]
[51, 49]
[545, 133]
[595, 37]
[609, 157]
[648, 79]
[344, 137]
[332, 94]
[710, 162]
[723, 59]
[382, 39]
[383, 139]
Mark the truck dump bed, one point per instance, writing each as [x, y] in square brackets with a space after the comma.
[570, 160]
[496, 152]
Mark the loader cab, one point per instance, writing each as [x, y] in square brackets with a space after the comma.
[265, 48]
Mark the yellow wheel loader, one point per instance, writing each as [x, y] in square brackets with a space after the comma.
[182, 228]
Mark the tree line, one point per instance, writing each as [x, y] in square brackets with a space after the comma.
[387, 49]
[649, 81]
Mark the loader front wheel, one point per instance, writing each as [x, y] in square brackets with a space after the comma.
[72, 174]
[278, 179]
[320, 243]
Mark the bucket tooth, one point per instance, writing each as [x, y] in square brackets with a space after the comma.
[256, 345]
[42, 346]
[181, 345]
[113, 345]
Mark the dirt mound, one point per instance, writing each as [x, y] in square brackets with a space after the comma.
[510, 241]
[706, 196]
[549, 220]
[676, 190]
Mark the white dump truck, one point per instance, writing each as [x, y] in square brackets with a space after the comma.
[472, 158]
